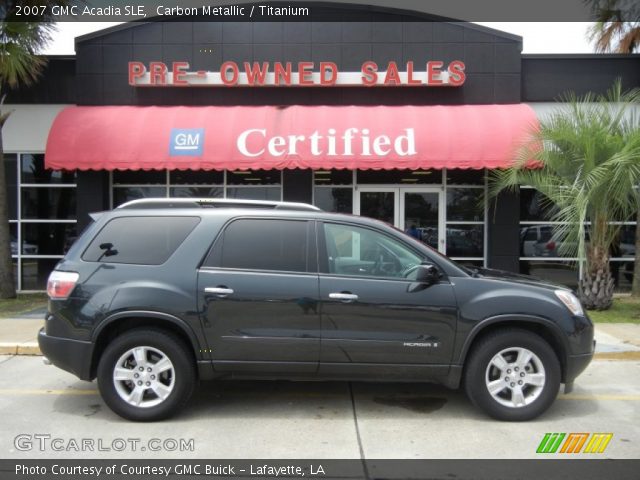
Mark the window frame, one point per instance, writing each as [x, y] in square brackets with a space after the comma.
[20, 259]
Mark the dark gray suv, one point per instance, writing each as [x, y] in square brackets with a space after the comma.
[157, 294]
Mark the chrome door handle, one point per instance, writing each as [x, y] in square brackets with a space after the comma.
[219, 291]
[345, 297]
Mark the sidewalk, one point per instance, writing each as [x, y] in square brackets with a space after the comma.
[18, 336]
[614, 341]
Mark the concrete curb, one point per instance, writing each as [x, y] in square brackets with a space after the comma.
[8, 349]
[32, 349]
[628, 355]
[26, 348]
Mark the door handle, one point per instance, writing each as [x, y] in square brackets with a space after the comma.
[221, 292]
[345, 297]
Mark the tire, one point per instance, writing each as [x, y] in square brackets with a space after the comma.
[160, 389]
[493, 362]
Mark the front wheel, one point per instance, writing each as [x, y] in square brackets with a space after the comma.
[146, 375]
[512, 375]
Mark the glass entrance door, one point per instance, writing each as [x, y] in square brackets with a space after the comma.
[418, 211]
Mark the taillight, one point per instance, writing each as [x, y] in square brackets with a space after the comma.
[551, 245]
[60, 284]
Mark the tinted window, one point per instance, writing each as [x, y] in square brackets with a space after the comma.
[339, 199]
[262, 244]
[465, 241]
[545, 234]
[141, 240]
[534, 206]
[333, 177]
[400, 176]
[465, 177]
[465, 204]
[10, 166]
[531, 235]
[34, 171]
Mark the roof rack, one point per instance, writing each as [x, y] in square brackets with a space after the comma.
[151, 203]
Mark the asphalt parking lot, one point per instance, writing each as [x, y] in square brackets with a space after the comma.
[53, 412]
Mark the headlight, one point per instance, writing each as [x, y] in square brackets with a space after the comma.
[570, 301]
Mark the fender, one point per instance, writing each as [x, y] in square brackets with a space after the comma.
[554, 328]
[184, 326]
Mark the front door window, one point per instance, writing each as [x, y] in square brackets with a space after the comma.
[365, 253]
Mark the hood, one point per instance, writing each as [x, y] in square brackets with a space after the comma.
[517, 278]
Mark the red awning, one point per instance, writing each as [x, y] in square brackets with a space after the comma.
[267, 137]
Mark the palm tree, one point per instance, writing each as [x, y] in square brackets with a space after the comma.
[611, 34]
[19, 65]
[588, 151]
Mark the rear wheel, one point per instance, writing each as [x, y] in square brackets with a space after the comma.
[146, 375]
[512, 375]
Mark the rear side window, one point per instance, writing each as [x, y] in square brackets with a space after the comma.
[139, 240]
[262, 244]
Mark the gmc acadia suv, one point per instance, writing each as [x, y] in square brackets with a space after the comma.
[157, 294]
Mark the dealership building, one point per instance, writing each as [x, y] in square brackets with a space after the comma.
[385, 114]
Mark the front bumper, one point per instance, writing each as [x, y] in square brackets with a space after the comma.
[576, 364]
[74, 356]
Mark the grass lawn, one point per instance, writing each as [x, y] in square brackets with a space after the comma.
[624, 310]
[24, 303]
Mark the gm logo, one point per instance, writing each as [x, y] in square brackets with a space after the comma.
[186, 141]
[573, 443]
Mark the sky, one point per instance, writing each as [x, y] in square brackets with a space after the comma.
[538, 37]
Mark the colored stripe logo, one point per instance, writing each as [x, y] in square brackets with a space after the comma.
[550, 442]
[573, 442]
[598, 442]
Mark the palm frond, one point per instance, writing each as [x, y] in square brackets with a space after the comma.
[21, 42]
[611, 33]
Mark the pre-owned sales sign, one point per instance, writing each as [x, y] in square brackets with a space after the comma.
[302, 74]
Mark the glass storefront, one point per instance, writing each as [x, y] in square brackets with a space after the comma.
[443, 208]
[42, 217]
[240, 184]
[333, 190]
[446, 207]
[542, 254]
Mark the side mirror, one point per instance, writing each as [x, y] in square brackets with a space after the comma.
[427, 273]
